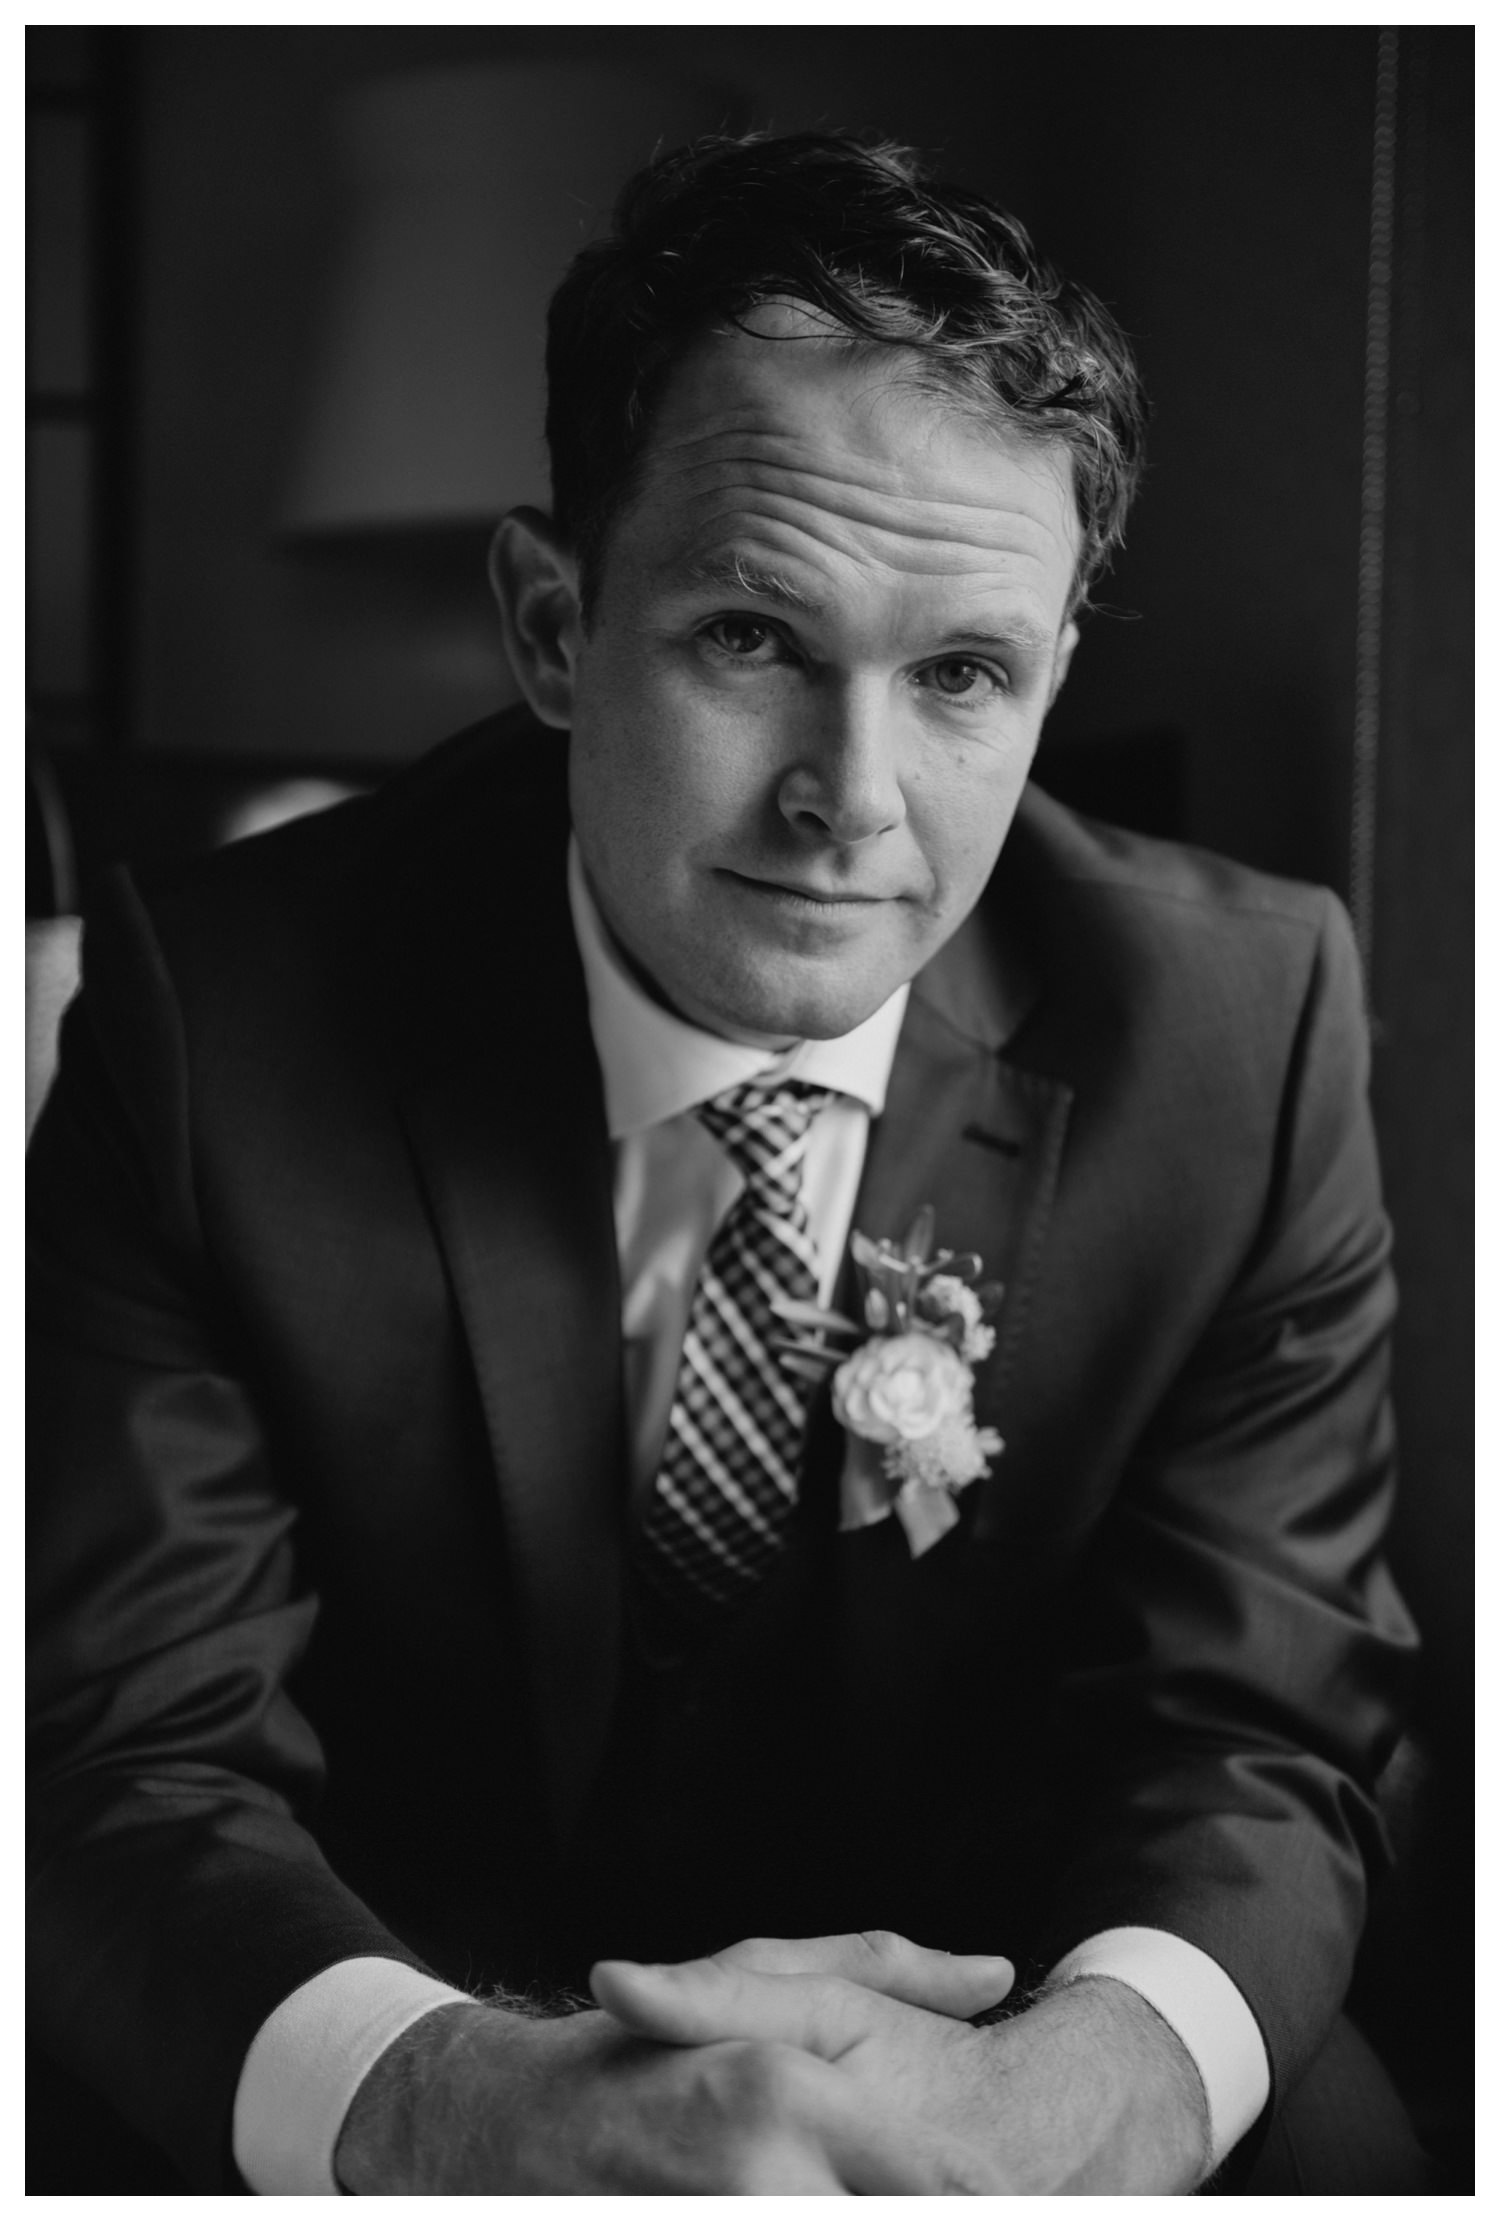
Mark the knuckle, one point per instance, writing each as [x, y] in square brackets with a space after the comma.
[968, 2174]
[760, 2080]
[885, 1946]
[761, 1954]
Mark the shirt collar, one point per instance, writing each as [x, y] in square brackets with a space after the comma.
[656, 1065]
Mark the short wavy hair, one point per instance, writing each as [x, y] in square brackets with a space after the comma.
[855, 228]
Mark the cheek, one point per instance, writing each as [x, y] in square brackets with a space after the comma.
[661, 784]
[711, 762]
[960, 818]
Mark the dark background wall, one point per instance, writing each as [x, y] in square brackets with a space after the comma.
[1299, 566]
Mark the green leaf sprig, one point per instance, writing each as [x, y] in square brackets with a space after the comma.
[896, 1298]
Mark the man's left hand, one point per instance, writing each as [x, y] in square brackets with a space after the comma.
[1087, 2091]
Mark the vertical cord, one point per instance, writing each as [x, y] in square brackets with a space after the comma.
[1372, 517]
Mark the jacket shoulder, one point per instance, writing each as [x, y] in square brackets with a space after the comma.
[293, 948]
[1054, 845]
[1128, 936]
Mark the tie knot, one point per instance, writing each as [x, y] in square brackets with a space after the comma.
[764, 1129]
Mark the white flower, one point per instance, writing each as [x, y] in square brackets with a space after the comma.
[956, 1299]
[901, 1388]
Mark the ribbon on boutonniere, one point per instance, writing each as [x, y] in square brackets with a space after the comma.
[903, 1379]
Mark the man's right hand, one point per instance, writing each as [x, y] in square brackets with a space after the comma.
[474, 2099]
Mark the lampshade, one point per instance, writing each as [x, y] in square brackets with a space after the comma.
[469, 190]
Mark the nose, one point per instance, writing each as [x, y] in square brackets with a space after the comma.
[844, 786]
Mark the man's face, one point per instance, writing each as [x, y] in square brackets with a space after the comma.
[829, 625]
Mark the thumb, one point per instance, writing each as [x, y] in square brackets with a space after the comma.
[708, 2001]
[959, 1984]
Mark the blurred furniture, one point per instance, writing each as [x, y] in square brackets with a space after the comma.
[154, 805]
[53, 930]
[52, 950]
[51, 866]
[87, 811]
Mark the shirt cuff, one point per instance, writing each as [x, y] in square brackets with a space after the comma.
[308, 2059]
[1198, 2001]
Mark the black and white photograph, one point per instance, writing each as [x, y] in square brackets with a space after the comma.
[749, 1109]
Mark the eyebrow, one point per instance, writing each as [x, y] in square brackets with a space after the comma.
[1029, 638]
[739, 574]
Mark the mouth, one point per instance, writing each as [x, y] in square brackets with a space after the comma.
[814, 901]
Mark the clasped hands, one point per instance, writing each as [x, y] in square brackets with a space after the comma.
[836, 2065]
[847, 2057]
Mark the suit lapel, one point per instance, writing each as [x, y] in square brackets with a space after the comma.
[975, 1135]
[501, 1098]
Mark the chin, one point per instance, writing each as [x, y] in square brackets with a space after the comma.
[799, 1010]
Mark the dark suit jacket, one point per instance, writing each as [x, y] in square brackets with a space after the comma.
[334, 1649]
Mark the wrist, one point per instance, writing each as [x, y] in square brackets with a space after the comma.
[389, 2133]
[1138, 2119]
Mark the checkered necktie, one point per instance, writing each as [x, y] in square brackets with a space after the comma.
[727, 1486]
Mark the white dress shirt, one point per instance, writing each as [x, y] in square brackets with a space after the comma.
[673, 1185]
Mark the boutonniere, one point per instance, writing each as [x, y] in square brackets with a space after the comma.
[903, 1379]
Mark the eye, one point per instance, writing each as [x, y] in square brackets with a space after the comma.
[746, 639]
[962, 679]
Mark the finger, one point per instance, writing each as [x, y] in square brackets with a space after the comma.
[706, 2001]
[957, 1983]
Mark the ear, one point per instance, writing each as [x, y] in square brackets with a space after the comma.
[535, 582]
[1067, 641]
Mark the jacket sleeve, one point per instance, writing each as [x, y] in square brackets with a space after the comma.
[175, 1895]
[1238, 1659]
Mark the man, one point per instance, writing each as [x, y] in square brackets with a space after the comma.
[439, 1572]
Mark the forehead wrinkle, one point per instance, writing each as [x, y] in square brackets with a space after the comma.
[864, 492]
[755, 449]
[789, 528]
[793, 494]
[808, 533]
